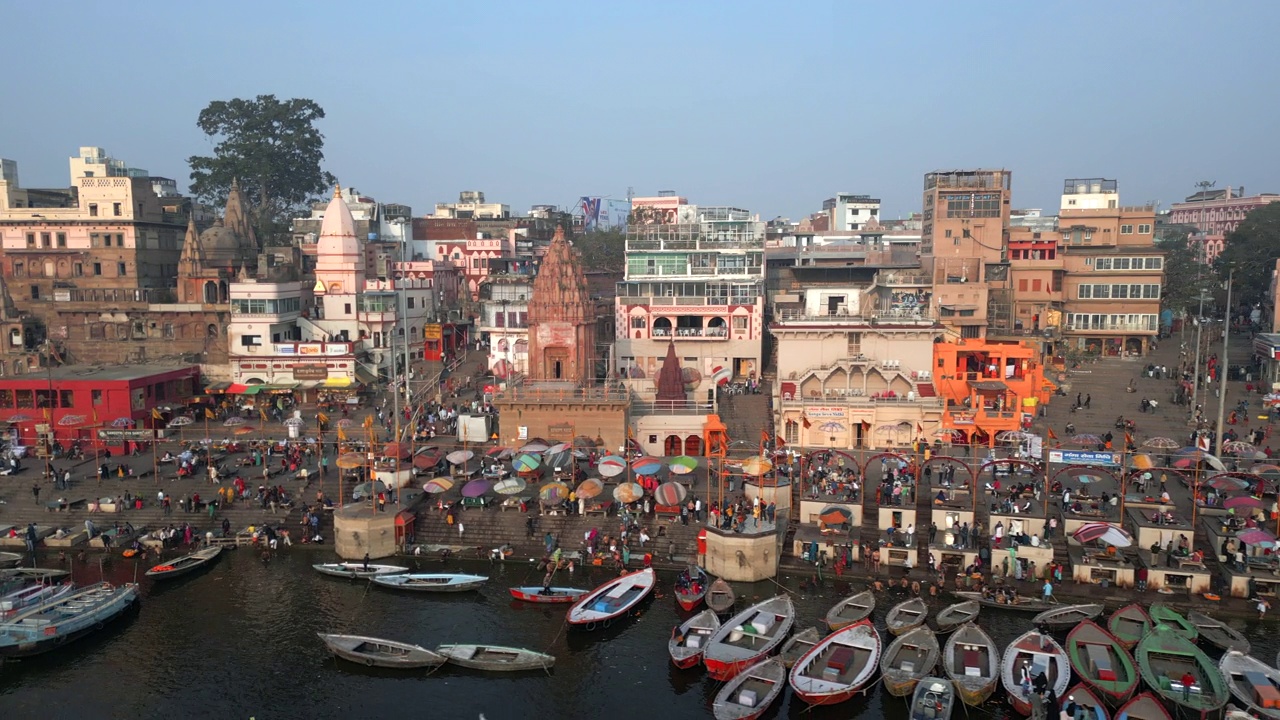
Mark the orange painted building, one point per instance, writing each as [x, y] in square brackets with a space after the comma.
[988, 387]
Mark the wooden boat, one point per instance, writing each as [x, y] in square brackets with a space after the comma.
[376, 652]
[953, 616]
[797, 645]
[50, 625]
[1033, 653]
[1217, 633]
[1252, 682]
[748, 637]
[357, 569]
[691, 588]
[1129, 624]
[534, 594]
[906, 615]
[972, 661]
[840, 666]
[1066, 616]
[934, 699]
[1021, 603]
[1143, 706]
[1081, 695]
[10, 559]
[1162, 614]
[690, 639]
[496, 658]
[1101, 662]
[750, 693]
[612, 600]
[430, 582]
[29, 594]
[1165, 655]
[910, 657]
[185, 564]
[720, 596]
[850, 610]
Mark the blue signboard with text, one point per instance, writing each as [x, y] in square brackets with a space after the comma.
[1084, 457]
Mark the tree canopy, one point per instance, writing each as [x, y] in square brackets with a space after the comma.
[1184, 274]
[1251, 250]
[272, 147]
[602, 249]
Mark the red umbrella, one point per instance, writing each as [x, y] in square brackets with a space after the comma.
[1242, 501]
[1104, 532]
[670, 494]
[1255, 536]
[397, 450]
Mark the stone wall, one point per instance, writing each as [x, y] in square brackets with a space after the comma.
[563, 421]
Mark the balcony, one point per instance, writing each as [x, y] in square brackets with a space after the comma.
[853, 397]
[1111, 327]
[914, 315]
[686, 333]
[903, 279]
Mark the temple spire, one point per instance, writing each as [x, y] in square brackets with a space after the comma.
[671, 379]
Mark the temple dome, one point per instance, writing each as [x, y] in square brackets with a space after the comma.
[338, 229]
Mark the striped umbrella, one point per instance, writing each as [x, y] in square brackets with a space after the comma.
[1239, 447]
[611, 466]
[683, 465]
[589, 488]
[557, 449]
[397, 450]
[69, 420]
[526, 463]
[1143, 462]
[500, 452]
[350, 461]
[1242, 501]
[757, 465]
[1103, 532]
[553, 492]
[534, 447]
[476, 488]
[1226, 483]
[510, 486]
[233, 421]
[295, 422]
[346, 423]
[628, 492]
[1162, 443]
[646, 465]
[670, 494]
[244, 430]
[122, 422]
[180, 421]
[426, 460]
[19, 417]
[457, 457]
[437, 485]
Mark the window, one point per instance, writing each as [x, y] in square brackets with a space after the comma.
[46, 240]
[1085, 292]
[1035, 286]
[115, 209]
[948, 233]
[346, 308]
[740, 323]
[6, 398]
[97, 268]
[168, 330]
[17, 269]
[26, 399]
[638, 323]
[93, 209]
[121, 270]
[1126, 229]
[31, 240]
[62, 239]
[35, 292]
[1154, 263]
[66, 399]
[408, 303]
[1144, 229]
[1022, 285]
[1150, 292]
[77, 269]
[250, 340]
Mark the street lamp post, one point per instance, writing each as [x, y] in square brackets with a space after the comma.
[1222, 375]
[1195, 379]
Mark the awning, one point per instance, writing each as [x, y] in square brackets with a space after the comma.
[278, 389]
[250, 389]
[989, 385]
[366, 377]
[309, 385]
[337, 382]
[217, 387]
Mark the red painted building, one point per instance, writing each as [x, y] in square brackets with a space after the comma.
[75, 401]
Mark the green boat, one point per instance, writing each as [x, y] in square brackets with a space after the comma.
[1101, 662]
[1164, 657]
[1162, 614]
[1129, 624]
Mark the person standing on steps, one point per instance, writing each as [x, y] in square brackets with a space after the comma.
[35, 490]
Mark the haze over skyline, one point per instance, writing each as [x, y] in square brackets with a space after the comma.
[761, 109]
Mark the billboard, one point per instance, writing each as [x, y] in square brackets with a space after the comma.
[602, 213]
[1084, 457]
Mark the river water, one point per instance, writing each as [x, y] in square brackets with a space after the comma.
[239, 641]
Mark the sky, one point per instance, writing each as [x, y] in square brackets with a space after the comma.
[761, 105]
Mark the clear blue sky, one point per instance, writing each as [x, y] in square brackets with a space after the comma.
[764, 105]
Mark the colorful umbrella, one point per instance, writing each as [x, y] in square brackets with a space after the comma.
[589, 488]
[368, 489]
[510, 486]
[180, 421]
[1162, 443]
[233, 421]
[534, 447]
[1012, 436]
[19, 417]
[1103, 532]
[683, 465]
[1143, 462]
[122, 422]
[1267, 471]
[553, 492]
[1242, 501]
[476, 488]
[350, 461]
[1226, 483]
[670, 494]
[437, 485]
[499, 452]
[1255, 536]
[1085, 439]
[646, 465]
[244, 430]
[835, 427]
[611, 466]
[426, 460]
[397, 450]
[757, 465]
[836, 515]
[1239, 447]
[628, 492]
[69, 420]
[526, 463]
[584, 442]
[1087, 478]
[557, 449]
[558, 460]
[346, 423]
[295, 422]
[457, 457]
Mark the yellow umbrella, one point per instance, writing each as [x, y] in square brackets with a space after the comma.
[757, 465]
[350, 461]
[244, 430]
[1143, 462]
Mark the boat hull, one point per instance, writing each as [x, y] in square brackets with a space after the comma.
[576, 621]
[725, 671]
[689, 602]
[686, 663]
[900, 688]
[976, 696]
[558, 596]
[54, 642]
[828, 698]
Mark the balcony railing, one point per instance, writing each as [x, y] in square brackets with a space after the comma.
[686, 332]
[832, 397]
[1111, 327]
[893, 315]
[535, 391]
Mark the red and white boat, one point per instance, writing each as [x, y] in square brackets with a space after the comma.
[612, 600]
[1032, 654]
[748, 637]
[535, 594]
[691, 588]
[840, 666]
[690, 639]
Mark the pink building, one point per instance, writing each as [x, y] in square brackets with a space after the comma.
[1217, 212]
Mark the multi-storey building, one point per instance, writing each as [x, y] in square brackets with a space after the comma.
[1214, 213]
[695, 274]
[471, 205]
[851, 212]
[1113, 271]
[963, 245]
[504, 321]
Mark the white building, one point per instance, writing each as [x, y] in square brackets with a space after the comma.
[471, 206]
[852, 212]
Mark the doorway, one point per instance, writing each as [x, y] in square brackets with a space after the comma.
[671, 446]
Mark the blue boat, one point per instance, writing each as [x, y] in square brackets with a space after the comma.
[53, 624]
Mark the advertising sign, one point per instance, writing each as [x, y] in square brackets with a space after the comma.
[602, 214]
[1084, 457]
[121, 435]
[310, 372]
[432, 332]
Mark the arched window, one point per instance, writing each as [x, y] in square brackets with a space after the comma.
[211, 330]
[210, 293]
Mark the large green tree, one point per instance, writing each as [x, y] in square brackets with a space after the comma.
[1184, 274]
[602, 249]
[272, 147]
[1251, 250]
